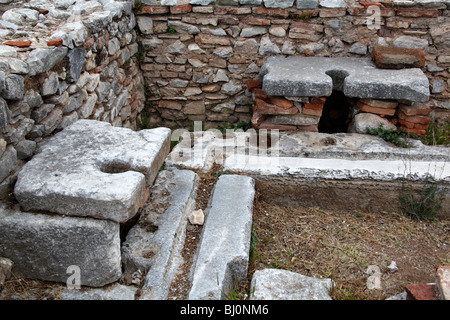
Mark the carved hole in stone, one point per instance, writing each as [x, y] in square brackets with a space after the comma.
[338, 77]
[336, 114]
[115, 168]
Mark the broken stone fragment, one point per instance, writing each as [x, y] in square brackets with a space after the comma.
[197, 217]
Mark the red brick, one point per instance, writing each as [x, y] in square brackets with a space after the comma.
[312, 112]
[417, 108]
[367, 4]
[313, 106]
[397, 58]
[153, 10]
[259, 93]
[312, 128]
[43, 11]
[414, 119]
[281, 102]
[272, 12]
[18, 43]
[331, 13]
[386, 104]
[266, 108]
[418, 132]
[253, 83]
[414, 13]
[257, 22]
[406, 124]
[55, 42]
[355, 11]
[318, 100]
[267, 125]
[257, 119]
[379, 111]
[181, 9]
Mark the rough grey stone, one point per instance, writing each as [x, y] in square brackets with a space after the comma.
[16, 66]
[254, 2]
[278, 3]
[25, 149]
[153, 246]
[44, 246]
[145, 24]
[307, 4]
[230, 88]
[278, 284]
[68, 120]
[253, 31]
[358, 48]
[74, 172]
[358, 77]
[296, 119]
[201, 2]
[362, 121]
[177, 47]
[13, 136]
[5, 115]
[43, 59]
[14, 86]
[77, 58]
[86, 110]
[181, 27]
[50, 85]
[32, 98]
[7, 51]
[40, 113]
[21, 16]
[98, 21]
[267, 47]
[115, 291]
[222, 258]
[410, 42]
[7, 162]
[51, 121]
[437, 86]
[333, 4]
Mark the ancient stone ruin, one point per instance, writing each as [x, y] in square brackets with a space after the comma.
[95, 94]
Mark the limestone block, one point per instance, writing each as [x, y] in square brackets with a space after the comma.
[222, 259]
[356, 77]
[277, 284]
[43, 246]
[93, 169]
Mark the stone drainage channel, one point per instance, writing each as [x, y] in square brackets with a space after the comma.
[90, 202]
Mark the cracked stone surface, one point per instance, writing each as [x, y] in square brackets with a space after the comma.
[93, 169]
[355, 77]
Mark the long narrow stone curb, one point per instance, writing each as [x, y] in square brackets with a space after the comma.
[223, 254]
[153, 246]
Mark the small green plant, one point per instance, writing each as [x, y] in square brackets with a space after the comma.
[423, 203]
[140, 54]
[138, 5]
[172, 30]
[396, 137]
[143, 120]
[436, 136]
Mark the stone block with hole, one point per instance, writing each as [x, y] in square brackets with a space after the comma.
[151, 253]
[92, 169]
[222, 257]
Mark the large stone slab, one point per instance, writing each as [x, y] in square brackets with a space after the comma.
[222, 258]
[44, 246]
[355, 77]
[277, 284]
[93, 169]
[151, 253]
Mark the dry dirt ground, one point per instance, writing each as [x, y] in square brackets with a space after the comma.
[342, 244]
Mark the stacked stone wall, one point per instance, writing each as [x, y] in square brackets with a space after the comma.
[61, 61]
[200, 53]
